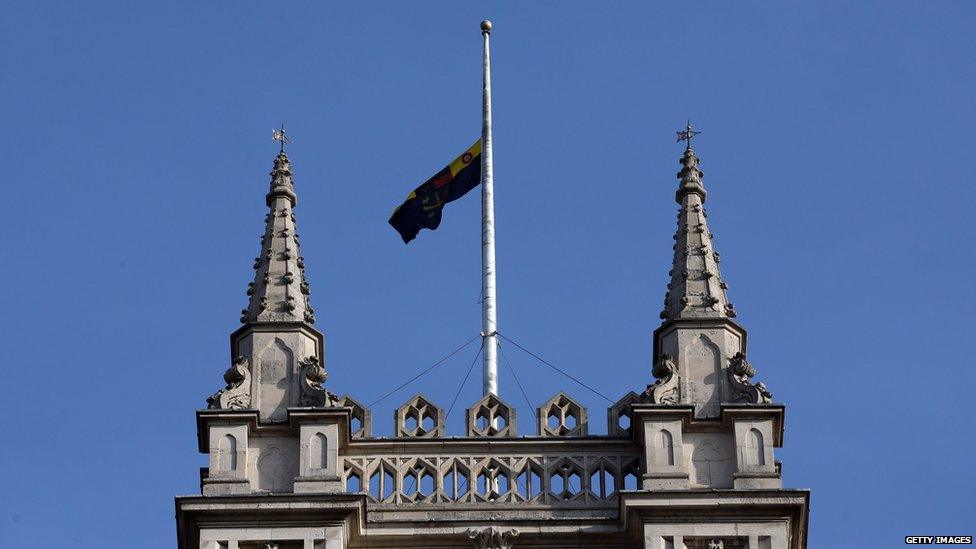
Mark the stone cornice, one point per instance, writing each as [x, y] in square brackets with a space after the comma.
[686, 413]
[637, 507]
[296, 417]
[776, 412]
[699, 324]
[277, 327]
[285, 510]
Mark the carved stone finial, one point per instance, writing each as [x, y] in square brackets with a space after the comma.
[665, 389]
[493, 538]
[237, 394]
[691, 177]
[312, 376]
[740, 371]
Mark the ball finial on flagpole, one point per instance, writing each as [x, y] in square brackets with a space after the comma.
[486, 26]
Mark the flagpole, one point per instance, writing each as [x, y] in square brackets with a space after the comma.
[489, 321]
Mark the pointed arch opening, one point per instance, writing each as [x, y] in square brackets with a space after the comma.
[318, 449]
[755, 453]
[664, 446]
[227, 453]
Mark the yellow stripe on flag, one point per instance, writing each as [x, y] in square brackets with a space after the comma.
[471, 155]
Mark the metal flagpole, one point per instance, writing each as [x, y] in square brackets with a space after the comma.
[489, 321]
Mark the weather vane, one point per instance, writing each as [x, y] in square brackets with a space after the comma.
[687, 135]
[279, 135]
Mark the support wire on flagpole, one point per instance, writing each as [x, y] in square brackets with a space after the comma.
[501, 350]
[429, 368]
[556, 368]
[463, 381]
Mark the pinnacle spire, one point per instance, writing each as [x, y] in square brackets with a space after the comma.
[696, 289]
[280, 290]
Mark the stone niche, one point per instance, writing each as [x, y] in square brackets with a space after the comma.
[273, 464]
[710, 459]
[275, 359]
[701, 356]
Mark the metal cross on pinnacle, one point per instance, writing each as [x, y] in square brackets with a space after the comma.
[279, 135]
[687, 135]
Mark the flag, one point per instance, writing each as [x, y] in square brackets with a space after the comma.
[422, 208]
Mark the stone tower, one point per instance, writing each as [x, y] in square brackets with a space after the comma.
[699, 349]
[687, 463]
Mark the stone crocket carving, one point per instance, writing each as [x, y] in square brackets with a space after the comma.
[237, 394]
[312, 376]
[493, 538]
[740, 371]
[665, 389]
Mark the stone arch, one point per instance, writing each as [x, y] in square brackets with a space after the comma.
[755, 450]
[703, 371]
[664, 448]
[273, 470]
[227, 453]
[275, 379]
[318, 449]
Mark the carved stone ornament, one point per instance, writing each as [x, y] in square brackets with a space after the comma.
[740, 371]
[665, 389]
[237, 394]
[312, 376]
[493, 538]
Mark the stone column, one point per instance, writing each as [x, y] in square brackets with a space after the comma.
[318, 457]
[660, 429]
[757, 430]
[321, 433]
[228, 460]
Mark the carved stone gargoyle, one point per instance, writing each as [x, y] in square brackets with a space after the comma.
[740, 371]
[311, 378]
[237, 394]
[665, 389]
[493, 538]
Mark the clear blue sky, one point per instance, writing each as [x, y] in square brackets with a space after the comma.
[837, 150]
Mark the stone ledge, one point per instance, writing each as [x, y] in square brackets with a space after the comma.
[296, 416]
[226, 486]
[677, 473]
[637, 507]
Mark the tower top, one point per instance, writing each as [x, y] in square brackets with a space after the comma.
[280, 290]
[697, 289]
[690, 176]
